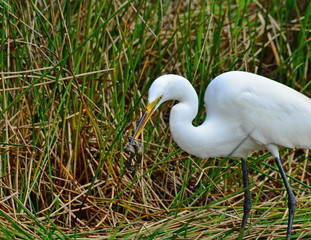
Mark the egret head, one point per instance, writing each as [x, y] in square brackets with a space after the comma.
[164, 88]
[156, 96]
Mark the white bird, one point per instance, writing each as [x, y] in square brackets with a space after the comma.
[244, 112]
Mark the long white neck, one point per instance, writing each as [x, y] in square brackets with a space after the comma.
[206, 140]
[187, 136]
[216, 137]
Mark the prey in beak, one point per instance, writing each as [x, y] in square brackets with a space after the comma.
[134, 147]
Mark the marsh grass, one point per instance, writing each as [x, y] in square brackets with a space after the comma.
[74, 80]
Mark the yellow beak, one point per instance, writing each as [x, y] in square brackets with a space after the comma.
[145, 118]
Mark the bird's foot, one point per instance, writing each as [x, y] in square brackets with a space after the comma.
[241, 234]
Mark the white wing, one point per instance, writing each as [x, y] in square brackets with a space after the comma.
[270, 112]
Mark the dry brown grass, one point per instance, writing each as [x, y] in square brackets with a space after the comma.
[72, 75]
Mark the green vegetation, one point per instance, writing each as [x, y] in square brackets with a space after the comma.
[74, 79]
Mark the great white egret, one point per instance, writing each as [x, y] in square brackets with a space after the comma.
[244, 112]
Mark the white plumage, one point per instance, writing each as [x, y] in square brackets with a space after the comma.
[240, 107]
[244, 112]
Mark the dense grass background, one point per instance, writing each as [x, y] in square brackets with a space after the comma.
[74, 80]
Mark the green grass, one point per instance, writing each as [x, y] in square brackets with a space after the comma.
[74, 80]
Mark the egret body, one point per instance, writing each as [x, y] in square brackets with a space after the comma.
[244, 112]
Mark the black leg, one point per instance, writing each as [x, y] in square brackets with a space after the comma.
[291, 199]
[247, 194]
